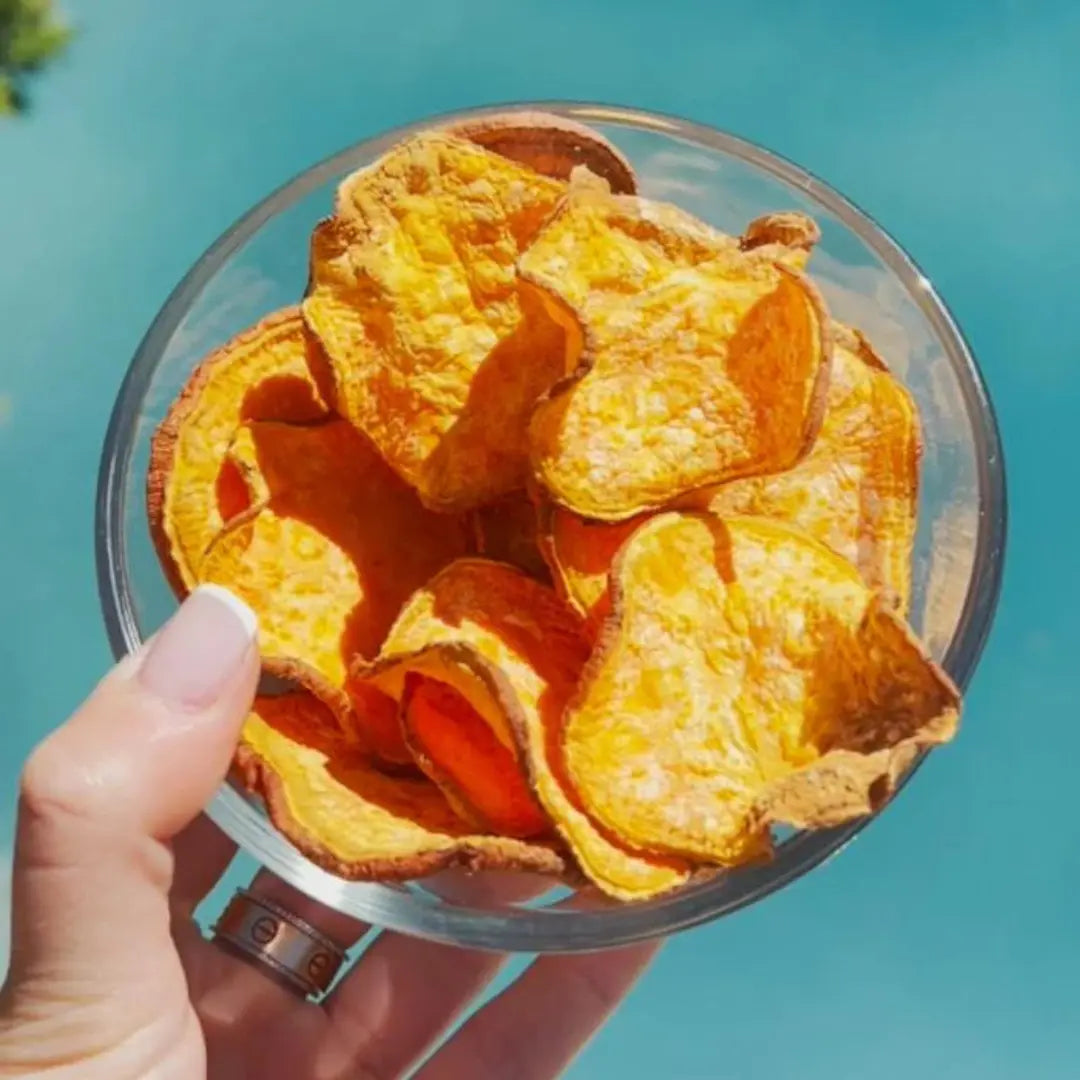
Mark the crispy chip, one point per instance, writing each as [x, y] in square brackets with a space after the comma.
[696, 363]
[435, 350]
[578, 534]
[506, 532]
[513, 650]
[747, 676]
[333, 546]
[282, 674]
[857, 490]
[379, 723]
[552, 145]
[789, 237]
[580, 553]
[457, 748]
[351, 819]
[262, 374]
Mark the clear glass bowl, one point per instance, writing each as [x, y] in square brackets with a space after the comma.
[261, 264]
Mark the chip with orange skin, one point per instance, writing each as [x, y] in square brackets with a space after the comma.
[515, 652]
[333, 545]
[504, 353]
[328, 799]
[747, 676]
[261, 374]
[434, 349]
[507, 531]
[378, 719]
[283, 674]
[552, 145]
[857, 490]
[580, 553]
[695, 363]
[456, 747]
[788, 236]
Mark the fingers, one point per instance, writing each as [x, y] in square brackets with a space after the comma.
[225, 984]
[402, 996]
[104, 793]
[536, 1027]
[201, 854]
[404, 992]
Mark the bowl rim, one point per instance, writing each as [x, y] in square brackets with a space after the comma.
[550, 929]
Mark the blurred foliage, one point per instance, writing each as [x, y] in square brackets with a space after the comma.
[30, 35]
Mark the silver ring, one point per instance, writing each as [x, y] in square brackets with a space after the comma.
[289, 946]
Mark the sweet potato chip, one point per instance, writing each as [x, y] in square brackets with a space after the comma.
[696, 363]
[513, 650]
[746, 676]
[789, 237]
[857, 489]
[457, 748]
[578, 533]
[334, 544]
[282, 674]
[378, 721]
[262, 374]
[342, 813]
[506, 531]
[436, 353]
[580, 553]
[552, 145]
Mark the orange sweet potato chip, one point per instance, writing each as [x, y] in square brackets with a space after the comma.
[457, 748]
[857, 489]
[327, 798]
[514, 651]
[434, 350]
[552, 145]
[746, 676]
[788, 236]
[333, 545]
[696, 363]
[580, 533]
[506, 531]
[262, 374]
[580, 553]
[379, 722]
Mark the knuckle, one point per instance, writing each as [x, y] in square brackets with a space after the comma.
[55, 785]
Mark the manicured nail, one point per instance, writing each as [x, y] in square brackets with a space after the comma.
[197, 653]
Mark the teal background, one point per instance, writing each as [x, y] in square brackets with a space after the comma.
[943, 942]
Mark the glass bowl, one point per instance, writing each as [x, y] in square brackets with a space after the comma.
[261, 264]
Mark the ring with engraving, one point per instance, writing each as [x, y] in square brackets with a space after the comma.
[289, 946]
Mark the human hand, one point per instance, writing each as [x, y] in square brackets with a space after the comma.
[110, 975]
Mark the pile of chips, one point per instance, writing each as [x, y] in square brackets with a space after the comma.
[579, 530]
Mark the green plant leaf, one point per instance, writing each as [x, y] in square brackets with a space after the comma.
[30, 35]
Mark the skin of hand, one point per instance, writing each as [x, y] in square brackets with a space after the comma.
[112, 978]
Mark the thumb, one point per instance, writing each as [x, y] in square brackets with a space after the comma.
[103, 794]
